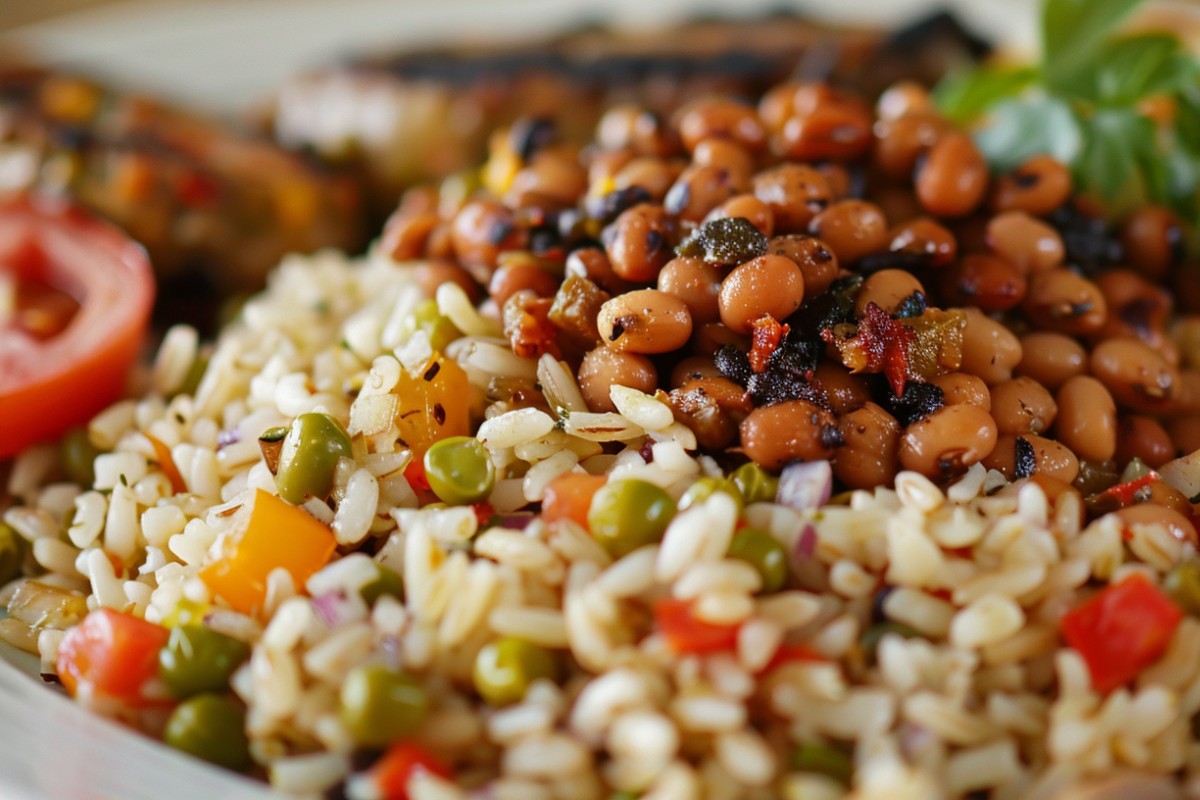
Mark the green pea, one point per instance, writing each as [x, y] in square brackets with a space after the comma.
[762, 551]
[505, 668]
[705, 488]
[755, 483]
[628, 514]
[78, 456]
[624, 795]
[12, 553]
[459, 470]
[426, 317]
[309, 456]
[380, 705]
[195, 374]
[388, 582]
[198, 659]
[869, 640]
[1183, 584]
[824, 759]
[211, 727]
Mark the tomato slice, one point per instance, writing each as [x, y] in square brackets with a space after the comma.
[111, 654]
[88, 289]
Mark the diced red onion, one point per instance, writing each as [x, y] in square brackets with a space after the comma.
[228, 437]
[806, 567]
[516, 522]
[805, 485]
[331, 607]
[806, 544]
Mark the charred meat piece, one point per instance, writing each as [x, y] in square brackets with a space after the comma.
[216, 209]
[421, 115]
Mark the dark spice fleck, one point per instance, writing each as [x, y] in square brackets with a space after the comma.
[918, 401]
[433, 370]
[912, 306]
[439, 413]
[1024, 461]
[529, 135]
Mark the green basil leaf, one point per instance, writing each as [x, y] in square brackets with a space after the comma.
[1073, 33]
[966, 95]
[1187, 117]
[1110, 163]
[1135, 67]
[1017, 130]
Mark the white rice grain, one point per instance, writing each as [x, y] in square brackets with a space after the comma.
[988, 620]
[543, 626]
[356, 511]
[515, 427]
[746, 756]
[702, 532]
[640, 408]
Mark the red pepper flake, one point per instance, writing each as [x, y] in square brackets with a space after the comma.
[877, 344]
[484, 512]
[765, 336]
[414, 473]
[686, 633]
[791, 654]
[400, 763]
[1122, 630]
[1125, 494]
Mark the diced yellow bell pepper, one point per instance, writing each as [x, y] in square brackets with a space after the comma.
[268, 533]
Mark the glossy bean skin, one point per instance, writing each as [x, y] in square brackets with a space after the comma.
[1025, 241]
[726, 154]
[1153, 240]
[630, 126]
[887, 289]
[1144, 438]
[750, 208]
[1179, 526]
[844, 391]
[638, 243]
[655, 175]
[720, 118]
[480, 232]
[691, 368]
[1137, 375]
[699, 190]
[851, 229]
[989, 282]
[697, 284]
[1164, 494]
[925, 239]
[553, 179]
[522, 275]
[953, 180]
[1087, 418]
[959, 388]
[989, 349]
[604, 367]
[816, 261]
[816, 122]
[1051, 358]
[1136, 307]
[900, 142]
[1060, 300]
[947, 441]
[867, 457]
[1050, 458]
[429, 275]
[1037, 187]
[795, 194]
[902, 99]
[795, 430]
[1022, 405]
[768, 284]
[645, 321]
[1185, 435]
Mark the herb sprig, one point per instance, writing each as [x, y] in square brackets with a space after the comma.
[1122, 110]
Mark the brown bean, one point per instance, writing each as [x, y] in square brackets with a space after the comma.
[900, 142]
[605, 367]
[645, 321]
[697, 191]
[1051, 358]
[989, 349]
[1143, 438]
[1050, 458]
[986, 281]
[795, 430]
[592, 263]
[720, 118]
[554, 178]
[405, 235]
[1136, 307]
[947, 441]
[841, 182]
[1153, 241]
[852, 229]
[603, 165]
[481, 231]
[867, 458]
[429, 275]
[959, 388]
[795, 194]
[765, 285]
[1137, 375]
[643, 131]
[638, 242]
[816, 261]
[655, 175]
[837, 127]
[1022, 405]
[712, 336]
[844, 391]
[901, 99]
[1027, 242]
[887, 289]
[1059, 300]
[1087, 418]
[691, 368]
[728, 155]
[954, 177]
[926, 239]
[697, 284]
[1188, 401]
[1036, 187]
[517, 274]
[728, 395]
[1176, 524]
[1164, 494]
[748, 207]
[714, 427]
[1185, 435]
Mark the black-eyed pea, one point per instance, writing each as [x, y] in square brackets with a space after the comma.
[1087, 418]
[795, 430]
[1022, 405]
[960, 387]
[1037, 187]
[1136, 374]
[1144, 438]
[1051, 358]
[946, 442]
[638, 242]
[953, 179]
[867, 457]
[694, 282]
[816, 261]
[605, 367]
[852, 229]
[989, 349]
[887, 288]
[1060, 300]
[645, 321]
[1025, 241]
[768, 284]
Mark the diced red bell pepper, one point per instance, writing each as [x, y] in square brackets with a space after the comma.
[569, 496]
[685, 633]
[791, 654]
[1122, 630]
[111, 654]
[398, 766]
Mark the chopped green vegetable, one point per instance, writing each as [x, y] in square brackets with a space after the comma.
[381, 705]
[389, 582]
[824, 759]
[628, 514]
[309, 455]
[78, 456]
[210, 727]
[12, 553]
[705, 488]
[459, 470]
[198, 659]
[755, 483]
[1183, 584]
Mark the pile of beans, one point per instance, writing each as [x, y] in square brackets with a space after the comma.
[811, 278]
